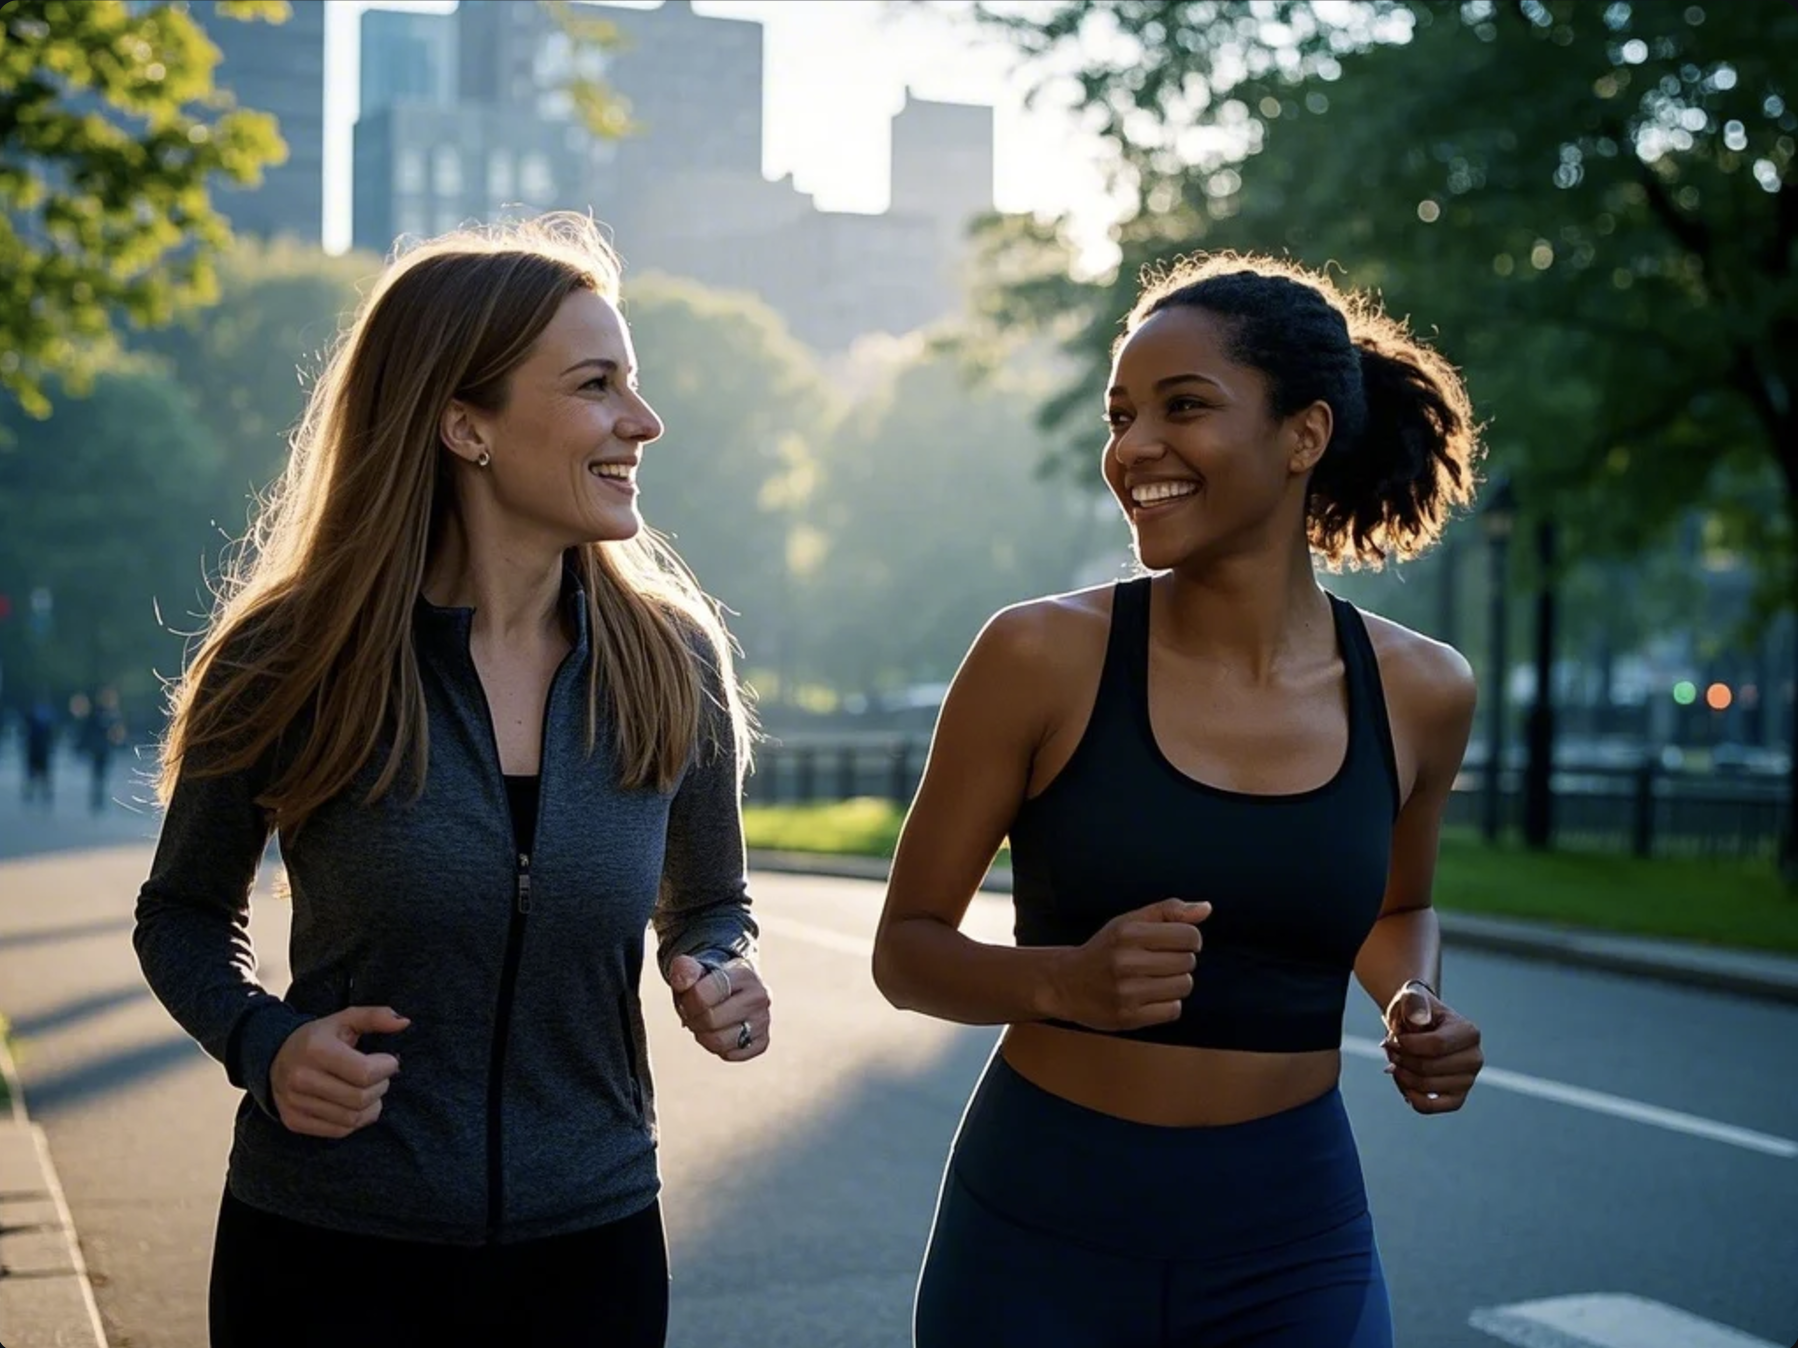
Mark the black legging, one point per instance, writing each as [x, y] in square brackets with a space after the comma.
[282, 1284]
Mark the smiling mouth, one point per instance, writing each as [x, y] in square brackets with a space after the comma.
[1149, 497]
[620, 477]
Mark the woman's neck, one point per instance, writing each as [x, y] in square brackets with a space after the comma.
[1251, 614]
[514, 590]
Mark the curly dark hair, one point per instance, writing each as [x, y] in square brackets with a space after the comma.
[1405, 447]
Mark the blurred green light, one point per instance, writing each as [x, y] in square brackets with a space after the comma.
[1685, 692]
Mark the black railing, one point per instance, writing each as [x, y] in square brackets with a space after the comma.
[1648, 810]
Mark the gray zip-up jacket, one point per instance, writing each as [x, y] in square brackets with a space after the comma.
[523, 1105]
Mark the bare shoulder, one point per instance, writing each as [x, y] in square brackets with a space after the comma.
[1051, 628]
[1427, 681]
[1032, 656]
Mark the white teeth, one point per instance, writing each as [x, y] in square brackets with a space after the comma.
[623, 471]
[1149, 493]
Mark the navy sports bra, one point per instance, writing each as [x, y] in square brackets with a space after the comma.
[1295, 881]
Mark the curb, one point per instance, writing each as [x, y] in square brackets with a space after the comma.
[1765, 977]
[46, 1300]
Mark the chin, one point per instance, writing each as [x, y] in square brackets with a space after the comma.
[608, 530]
[1169, 554]
[1161, 554]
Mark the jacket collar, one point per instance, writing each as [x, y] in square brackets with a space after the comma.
[450, 628]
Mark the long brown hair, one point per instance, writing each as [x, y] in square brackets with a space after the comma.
[313, 616]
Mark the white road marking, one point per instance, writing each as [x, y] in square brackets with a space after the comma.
[1606, 1320]
[1598, 1102]
[1491, 1078]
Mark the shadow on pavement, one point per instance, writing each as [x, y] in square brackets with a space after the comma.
[818, 1240]
[45, 1095]
[75, 931]
[80, 1009]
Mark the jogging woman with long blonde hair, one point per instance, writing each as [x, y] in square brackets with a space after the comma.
[495, 726]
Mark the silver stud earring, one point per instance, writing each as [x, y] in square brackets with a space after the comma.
[483, 459]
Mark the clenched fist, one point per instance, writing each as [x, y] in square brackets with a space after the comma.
[1135, 971]
[322, 1086]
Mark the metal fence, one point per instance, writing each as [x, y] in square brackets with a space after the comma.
[1648, 810]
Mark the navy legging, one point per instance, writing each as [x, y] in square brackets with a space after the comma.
[1061, 1227]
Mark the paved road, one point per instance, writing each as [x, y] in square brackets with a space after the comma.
[127, 815]
[800, 1187]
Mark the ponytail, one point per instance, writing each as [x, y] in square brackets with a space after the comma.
[1405, 447]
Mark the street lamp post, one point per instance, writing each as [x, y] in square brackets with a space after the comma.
[1538, 773]
[1498, 517]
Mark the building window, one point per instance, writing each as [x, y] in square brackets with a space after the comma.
[499, 174]
[534, 178]
[447, 171]
[409, 176]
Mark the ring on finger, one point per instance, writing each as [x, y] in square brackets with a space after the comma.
[745, 1036]
[724, 973]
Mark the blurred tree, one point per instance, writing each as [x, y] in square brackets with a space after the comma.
[935, 516]
[109, 507]
[745, 408]
[107, 146]
[248, 361]
[1593, 203]
[593, 40]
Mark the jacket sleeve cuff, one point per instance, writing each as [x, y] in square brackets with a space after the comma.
[712, 943]
[713, 956]
[255, 1040]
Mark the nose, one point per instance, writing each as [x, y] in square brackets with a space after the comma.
[1138, 444]
[640, 424]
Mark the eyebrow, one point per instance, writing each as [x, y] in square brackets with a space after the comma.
[601, 363]
[1163, 385]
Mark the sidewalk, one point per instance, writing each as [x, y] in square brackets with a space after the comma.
[1744, 973]
[45, 1298]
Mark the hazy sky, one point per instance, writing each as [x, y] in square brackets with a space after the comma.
[835, 74]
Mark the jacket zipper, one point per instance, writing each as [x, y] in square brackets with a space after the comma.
[502, 1024]
[508, 979]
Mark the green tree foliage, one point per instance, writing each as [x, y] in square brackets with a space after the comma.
[1590, 203]
[593, 40]
[110, 134]
[936, 517]
[109, 507]
[746, 409]
[249, 359]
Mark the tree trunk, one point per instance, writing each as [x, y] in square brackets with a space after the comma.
[1539, 732]
[1786, 443]
[1788, 846]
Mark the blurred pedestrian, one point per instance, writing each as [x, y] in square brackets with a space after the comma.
[1222, 786]
[102, 732]
[496, 727]
[40, 753]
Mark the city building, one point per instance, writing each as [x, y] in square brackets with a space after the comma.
[406, 55]
[278, 69]
[424, 168]
[683, 191]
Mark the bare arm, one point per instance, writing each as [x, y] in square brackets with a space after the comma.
[1433, 1052]
[1437, 686]
[992, 722]
[1004, 705]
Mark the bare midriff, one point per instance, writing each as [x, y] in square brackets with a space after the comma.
[1168, 1085]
